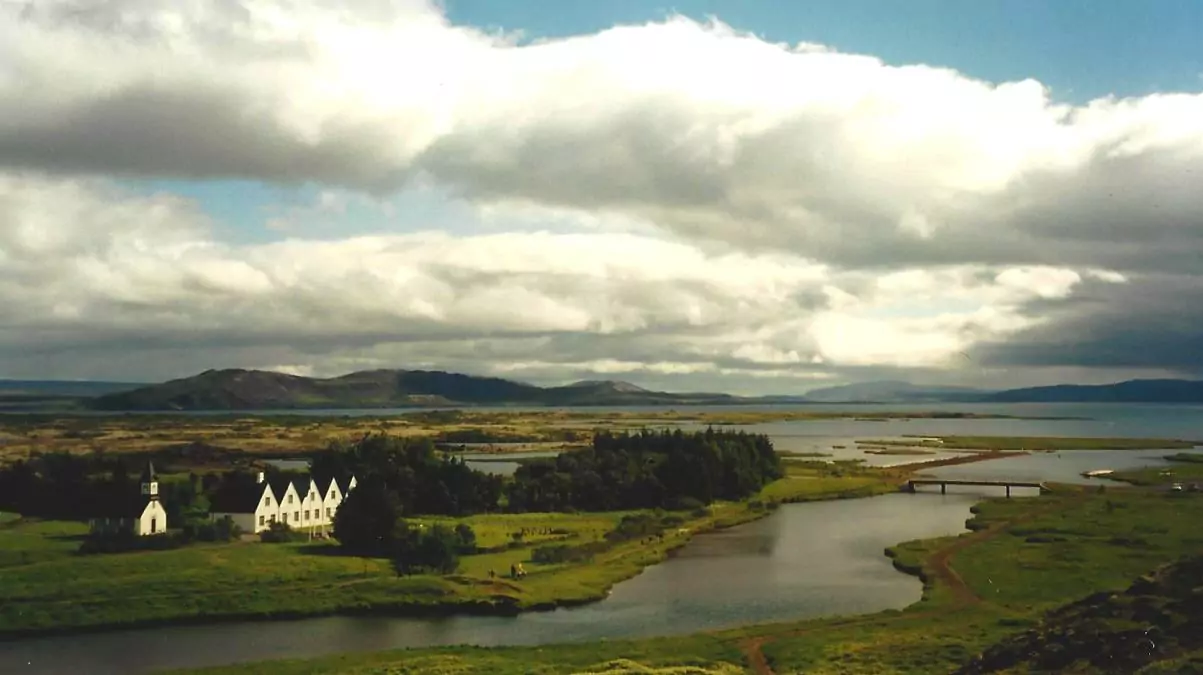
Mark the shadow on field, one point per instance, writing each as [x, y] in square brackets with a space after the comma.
[328, 550]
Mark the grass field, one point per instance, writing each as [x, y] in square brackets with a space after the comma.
[1023, 557]
[45, 586]
[1189, 472]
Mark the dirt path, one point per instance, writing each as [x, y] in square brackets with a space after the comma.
[939, 564]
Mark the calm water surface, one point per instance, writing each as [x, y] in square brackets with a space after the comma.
[806, 560]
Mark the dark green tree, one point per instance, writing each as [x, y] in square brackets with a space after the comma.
[366, 521]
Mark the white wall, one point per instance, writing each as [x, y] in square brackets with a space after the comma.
[311, 507]
[291, 507]
[330, 501]
[153, 520]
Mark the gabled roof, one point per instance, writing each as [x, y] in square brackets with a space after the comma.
[241, 498]
[148, 474]
[120, 506]
[323, 484]
[279, 485]
[301, 485]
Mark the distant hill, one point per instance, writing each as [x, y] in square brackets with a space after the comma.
[63, 387]
[1131, 391]
[236, 389]
[891, 391]
[259, 390]
[46, 395]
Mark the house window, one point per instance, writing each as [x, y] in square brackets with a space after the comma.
[284, 517]
[296, 517]
[306, 514]
[267, 501]
[261, 519]
[289, 499]
[327, 512]
[273, 517]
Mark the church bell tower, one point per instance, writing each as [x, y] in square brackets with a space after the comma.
[150, 484]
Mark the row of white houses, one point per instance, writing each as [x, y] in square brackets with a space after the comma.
[301, 503]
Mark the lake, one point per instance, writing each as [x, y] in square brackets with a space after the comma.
[804, 561]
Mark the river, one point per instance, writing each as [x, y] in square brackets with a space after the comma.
[805, 560]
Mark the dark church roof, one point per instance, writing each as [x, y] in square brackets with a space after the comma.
[148, 474]
[120, 506]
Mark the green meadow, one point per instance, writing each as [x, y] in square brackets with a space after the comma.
[45, 585]
[1022, 558]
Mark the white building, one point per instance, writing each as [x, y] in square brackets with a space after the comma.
[141, 514]
[301, 503]
[252, 508]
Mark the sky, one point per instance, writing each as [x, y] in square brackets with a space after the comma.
[751, 197]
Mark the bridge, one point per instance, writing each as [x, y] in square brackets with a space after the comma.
[945, 482]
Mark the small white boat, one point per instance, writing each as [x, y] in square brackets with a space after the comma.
[1098, 473]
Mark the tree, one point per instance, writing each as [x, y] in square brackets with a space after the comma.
[466, 538]
[366, 521]
[434, 549]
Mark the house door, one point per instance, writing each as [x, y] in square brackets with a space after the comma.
[154, 525]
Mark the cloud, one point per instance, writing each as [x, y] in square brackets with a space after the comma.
[677, 198]
[92, 273]
[696, 127]
[1153, 322]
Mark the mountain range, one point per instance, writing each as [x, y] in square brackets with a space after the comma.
[257, 389]
[237, 389]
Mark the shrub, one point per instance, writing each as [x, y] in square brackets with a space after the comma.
[279, 533]
[435, 549]
[210, 531]
[565, 553]
[124, 542]
[685, 503]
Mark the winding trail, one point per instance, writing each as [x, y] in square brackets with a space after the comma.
[938, 565]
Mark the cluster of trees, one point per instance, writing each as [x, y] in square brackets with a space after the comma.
[401, 477]
[664, 469]
[413, 474]
[370, 522]
[75, 487]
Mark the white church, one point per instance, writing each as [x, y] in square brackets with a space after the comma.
[301, 503]
[141, 514]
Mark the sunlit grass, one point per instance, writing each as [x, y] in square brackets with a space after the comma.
[44, 585]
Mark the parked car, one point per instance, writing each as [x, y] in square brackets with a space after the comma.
[1176, 487]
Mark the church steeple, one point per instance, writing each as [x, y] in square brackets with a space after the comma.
[150, 483]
